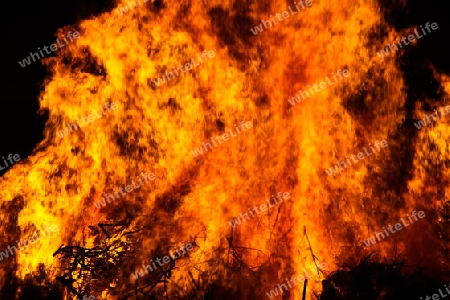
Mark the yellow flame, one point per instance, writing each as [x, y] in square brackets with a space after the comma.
[250, 78]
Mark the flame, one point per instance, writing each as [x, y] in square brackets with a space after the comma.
[155, 129]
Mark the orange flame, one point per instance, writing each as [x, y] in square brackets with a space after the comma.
[155, 129]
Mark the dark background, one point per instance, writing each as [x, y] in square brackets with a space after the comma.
[30, 25]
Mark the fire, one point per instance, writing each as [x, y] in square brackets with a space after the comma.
[193, 199]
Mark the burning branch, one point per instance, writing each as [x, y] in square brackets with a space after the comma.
[312, 253]
[151, 284]
[85, 266]
[304, 290]
[237, 252]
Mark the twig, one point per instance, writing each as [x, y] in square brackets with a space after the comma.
[312, 253]
[304, 289]
[230, 241]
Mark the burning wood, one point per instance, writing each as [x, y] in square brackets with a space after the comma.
[166, 260]
[263, 207]
[87, 270]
